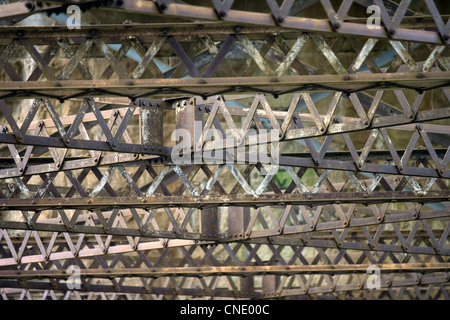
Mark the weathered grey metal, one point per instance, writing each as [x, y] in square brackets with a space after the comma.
[356, 175]
[336, 23]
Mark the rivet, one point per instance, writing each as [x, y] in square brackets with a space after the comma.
[163, 7]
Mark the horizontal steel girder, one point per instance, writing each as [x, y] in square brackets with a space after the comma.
[338, 22]
[355, 193]
[47, 291]
[286, 270]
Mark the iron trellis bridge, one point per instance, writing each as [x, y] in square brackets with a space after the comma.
[356, 177]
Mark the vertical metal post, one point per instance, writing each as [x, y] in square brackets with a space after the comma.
[151, 117]
[238, 220]
[271, 282]
[209, 223]
[189, 117]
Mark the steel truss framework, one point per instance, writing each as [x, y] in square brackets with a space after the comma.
[205, 58]
[329, 18]
[330, 154]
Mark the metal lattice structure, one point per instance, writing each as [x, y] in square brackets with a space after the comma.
[361, 178]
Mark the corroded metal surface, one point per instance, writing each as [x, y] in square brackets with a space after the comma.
[330, 157]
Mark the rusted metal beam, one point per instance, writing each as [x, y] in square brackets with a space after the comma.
[232, 200]
[283, 226]
[310, 226]
[285, 270]
[12, 10]
[136, 88]
[420, 240]
[172, 9]
[33, 290]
